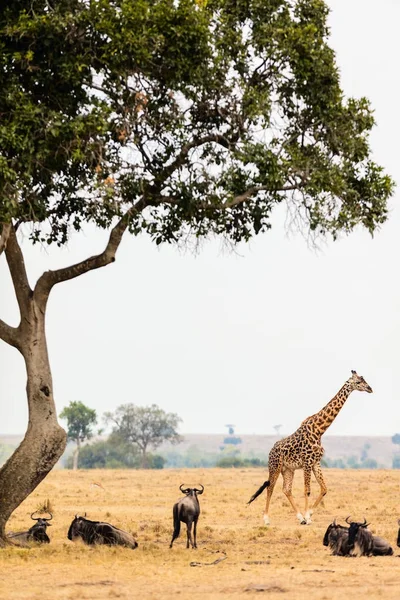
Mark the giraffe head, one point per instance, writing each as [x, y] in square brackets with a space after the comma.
[358, 383]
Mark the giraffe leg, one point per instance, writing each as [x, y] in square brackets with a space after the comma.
[273, 476]
[288, 475]
[320, 479]
[307, 492]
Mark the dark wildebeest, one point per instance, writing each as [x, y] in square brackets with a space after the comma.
[398, 535]
[337, 538]
[37, 533]
[97, 532]
[363, 543]
[187, 510]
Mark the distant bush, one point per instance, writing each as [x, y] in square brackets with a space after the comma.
[232, 439]
[237, 462]
[350, 462]
[192, 458]
[5, 452]
[113, 454]
[396, 461]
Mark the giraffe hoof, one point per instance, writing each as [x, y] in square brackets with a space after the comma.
[266, 520]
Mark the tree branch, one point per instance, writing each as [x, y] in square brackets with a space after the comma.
[9, 335]
[254, 190]
[46, 281]
[16, 264]
[181, 157]
[5, 232]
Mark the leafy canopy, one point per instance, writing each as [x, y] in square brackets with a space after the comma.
[80, 420]
[144, 426]
[186, 116]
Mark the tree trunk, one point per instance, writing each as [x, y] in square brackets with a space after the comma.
[76, 455]
[144, 457]
[45, 440]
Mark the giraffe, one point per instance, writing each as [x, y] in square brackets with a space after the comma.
[303, 450]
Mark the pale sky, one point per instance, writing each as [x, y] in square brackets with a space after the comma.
[264, 336]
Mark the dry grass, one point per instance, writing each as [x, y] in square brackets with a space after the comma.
[285, 559]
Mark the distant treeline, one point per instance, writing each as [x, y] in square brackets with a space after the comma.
[117, 453]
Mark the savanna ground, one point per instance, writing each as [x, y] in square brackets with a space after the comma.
[285, 559]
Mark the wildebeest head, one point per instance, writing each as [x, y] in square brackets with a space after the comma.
[331, 532]
[354, 527]
[191, 491]
[76, 527]
[42, 521]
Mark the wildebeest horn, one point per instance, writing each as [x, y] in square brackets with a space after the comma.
[180, 487]
[334, 522]
[347, 519]
[199, 491]
[48, 518]
[34, 518]
[365, 524]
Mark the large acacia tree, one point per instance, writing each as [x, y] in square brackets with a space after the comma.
[170, 118]
[144, 426]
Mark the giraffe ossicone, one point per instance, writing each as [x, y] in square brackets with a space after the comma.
[303, 450]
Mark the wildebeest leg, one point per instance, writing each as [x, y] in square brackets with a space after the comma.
[288, 475]
[195, 533]
[323, 489]
[189, 533]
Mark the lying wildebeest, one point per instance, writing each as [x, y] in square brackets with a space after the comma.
[37, 533]
[337, 538]
[363, 543]
[355, 540]
[97, 532]
[187, 510]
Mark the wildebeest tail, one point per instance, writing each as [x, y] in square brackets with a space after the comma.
[259, 491]
[177, 522]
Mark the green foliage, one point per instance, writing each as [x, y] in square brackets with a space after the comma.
[350, 462]
[202, 115]
[238, 462]
[396, 461]
[233, 439]
[194, 458]
[5, 452]
[113, 453]
[80, 420]
[144, 427]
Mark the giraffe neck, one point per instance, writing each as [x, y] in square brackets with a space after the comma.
[325, 417]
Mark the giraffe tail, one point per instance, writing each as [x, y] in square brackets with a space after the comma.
[259, 491]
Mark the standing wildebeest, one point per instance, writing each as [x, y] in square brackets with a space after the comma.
[187, 510]
[37, 533]
[97, 532]
[363, 543]
[337, 538]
